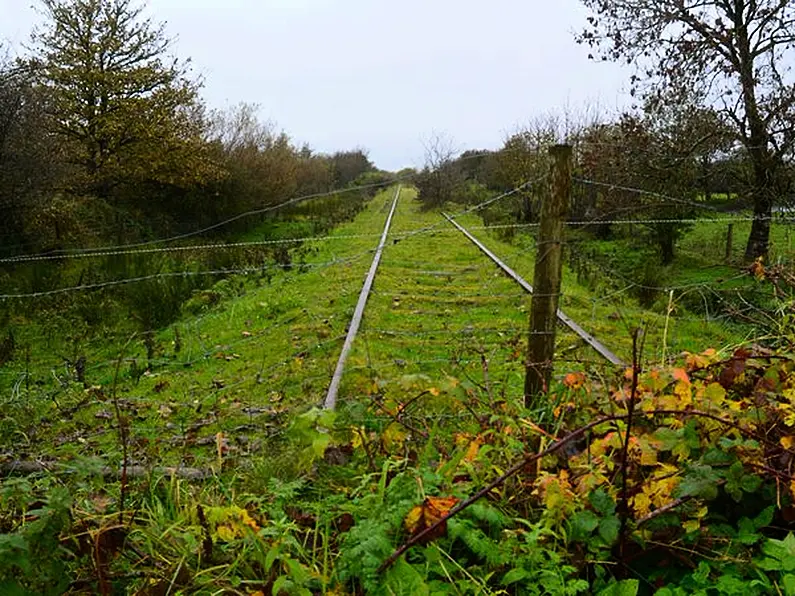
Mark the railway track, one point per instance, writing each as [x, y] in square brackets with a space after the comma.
[450, 314]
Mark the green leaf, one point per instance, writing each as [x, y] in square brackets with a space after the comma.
[582, 524]
[628, 587]
[788, 583]
[271, 557]
[780, 554]
[747, 533]
[609, 528]
[738, 481]
[515, 575]
[281, 583]
[320, 443]
[765, 518]
[718, 457]
[666, 439]
[700, 482]
[691, 435]
[602, 502]
[403, 579]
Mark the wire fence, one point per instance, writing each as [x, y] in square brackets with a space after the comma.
[451, 314]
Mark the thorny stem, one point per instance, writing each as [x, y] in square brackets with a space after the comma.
[624, 496]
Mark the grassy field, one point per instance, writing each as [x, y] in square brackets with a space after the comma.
[233, 389]
[244, 366]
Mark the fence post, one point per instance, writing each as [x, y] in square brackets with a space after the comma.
[729, 241]
[547, 277]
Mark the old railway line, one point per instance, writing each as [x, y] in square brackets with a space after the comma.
[411, 308]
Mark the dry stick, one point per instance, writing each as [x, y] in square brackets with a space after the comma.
[24, 468]
[624, 496]
[430, 530]
[124, 435]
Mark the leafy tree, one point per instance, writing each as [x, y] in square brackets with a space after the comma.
[660, 151]
[29, 158]
[125, 108]
[260, 165]
[347, 166]
[735, 54]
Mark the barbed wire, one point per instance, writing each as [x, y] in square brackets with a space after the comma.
[253, 212]
[179, 249]
[640, 191]
[175, 274]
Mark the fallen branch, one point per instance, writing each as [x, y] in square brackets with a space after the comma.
[25, 468]
[662, 510]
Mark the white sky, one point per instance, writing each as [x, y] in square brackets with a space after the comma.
[380, 74]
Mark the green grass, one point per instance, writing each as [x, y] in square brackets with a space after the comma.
[234, 387]
[247, 365]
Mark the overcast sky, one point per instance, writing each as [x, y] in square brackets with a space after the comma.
[380, 74]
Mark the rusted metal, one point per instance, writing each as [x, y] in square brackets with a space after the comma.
[331, 397]
[563, 318]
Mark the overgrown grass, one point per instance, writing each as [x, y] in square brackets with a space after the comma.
[313, 502]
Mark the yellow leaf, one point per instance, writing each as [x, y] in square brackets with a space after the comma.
[394, 436]
[648, 455]
[356, 440]
[641, 504]
[226, 533]
[472, 452]
[434, 391]
[685, 394]
[692, 525]
[413, 519]
[787, 442]
[716, 394]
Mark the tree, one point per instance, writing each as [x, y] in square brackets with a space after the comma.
[260, 165]
[441, 180]
[662, 151]
[29, 160]
[347, 166]
[116, 97]
[733, 54]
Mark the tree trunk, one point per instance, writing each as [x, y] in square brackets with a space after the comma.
[527, 209]
[759, 238]
[758, 145]
[706, 173]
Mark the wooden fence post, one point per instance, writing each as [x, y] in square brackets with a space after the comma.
[729, 242]
[547, 278]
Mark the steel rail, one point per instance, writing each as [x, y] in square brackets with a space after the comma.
[331, 397]
[563, 318]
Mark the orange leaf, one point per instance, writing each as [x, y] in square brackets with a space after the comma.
[574, 380]
[680, 374]
[431, 511]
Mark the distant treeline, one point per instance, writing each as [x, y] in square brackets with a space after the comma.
[105, 139]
